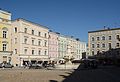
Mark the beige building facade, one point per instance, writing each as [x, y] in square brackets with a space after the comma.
[71, 47]
[5, 37]
[101, 41]
[29, 42]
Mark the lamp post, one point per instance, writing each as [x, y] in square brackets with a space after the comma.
[20, 61]
[65, 58]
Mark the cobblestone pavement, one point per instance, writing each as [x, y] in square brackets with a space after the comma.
[31, 75]
[103, 74]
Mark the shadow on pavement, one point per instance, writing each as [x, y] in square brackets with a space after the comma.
[53, 81]
[100, 74]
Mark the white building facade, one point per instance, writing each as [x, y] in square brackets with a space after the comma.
[29, 42]
[71, 47]
[80, 49]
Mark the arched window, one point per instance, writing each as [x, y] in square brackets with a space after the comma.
[25, 51]
[117, 36]
[98, 45]
[103, 37]
[45, 52]
[45, 35]
[92, 38]
[103, 45]
[98, 52]
[98, 38]
[5, 28]
[4, 34]
[39, 52]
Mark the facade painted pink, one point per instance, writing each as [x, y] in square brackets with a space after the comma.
[53, 46]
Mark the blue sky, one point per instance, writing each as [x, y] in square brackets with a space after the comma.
[69, 17]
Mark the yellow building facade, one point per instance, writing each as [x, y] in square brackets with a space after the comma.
[5, 37]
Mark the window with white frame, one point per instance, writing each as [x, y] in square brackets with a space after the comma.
[15, 51]
[109, 37]
[25, 51]
[45, 43]
[110, 45]
[45, 52]
[117, 36]
[4, 47]
[39, 42]
[33, 52]
[25, 30]
[92, 52]
[117, 44]
[103, 45]
[15, 29]
[93, 46]
[4, 34]
[98, 45]
[39, 52]
[39, 33]
[98, 38]
[103, 37]
[15, 40]
[32, 42]
[25, 40]
[93, 39]
[45, 35]
[32, 32]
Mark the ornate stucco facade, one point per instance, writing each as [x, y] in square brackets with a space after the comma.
[5, 37]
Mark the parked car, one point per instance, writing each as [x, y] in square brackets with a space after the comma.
[1, 65]
[35, 66]
[7, 65]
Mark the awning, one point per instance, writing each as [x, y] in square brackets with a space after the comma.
[34, 59]
[62, 59]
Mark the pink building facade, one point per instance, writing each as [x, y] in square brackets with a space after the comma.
[53, 46]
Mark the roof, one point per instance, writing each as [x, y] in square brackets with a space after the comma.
[108, 29]
[31, 22]
[51, 32]
[3, 10]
